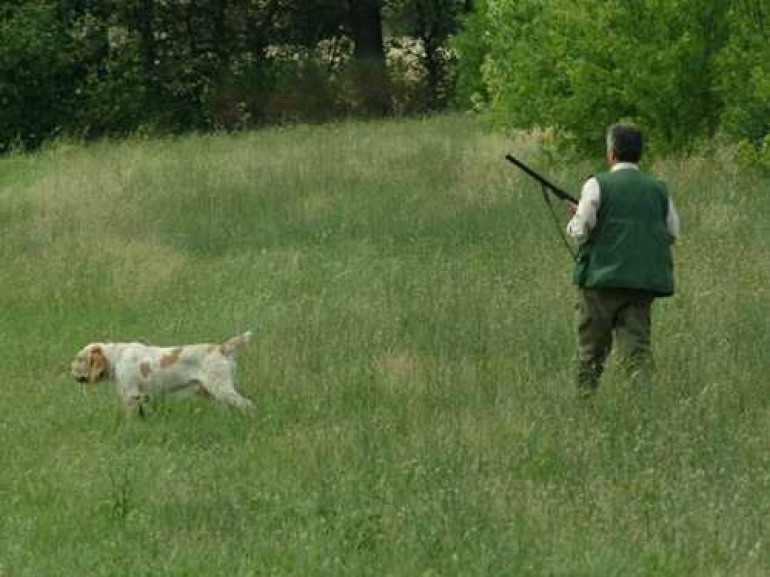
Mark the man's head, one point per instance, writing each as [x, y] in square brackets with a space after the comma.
[624, 143]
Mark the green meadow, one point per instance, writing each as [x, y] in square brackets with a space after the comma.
[415, 412]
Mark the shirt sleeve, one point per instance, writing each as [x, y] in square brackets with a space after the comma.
[584, 220]
[673, 224]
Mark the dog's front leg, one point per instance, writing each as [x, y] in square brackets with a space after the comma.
[134, 403]
[132, 383]
[134, 400]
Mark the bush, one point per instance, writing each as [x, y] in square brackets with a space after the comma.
[578, 67]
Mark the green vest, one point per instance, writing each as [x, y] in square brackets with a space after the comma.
[629, 246]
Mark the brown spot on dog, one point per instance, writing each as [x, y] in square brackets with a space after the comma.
[169, 359]
[97, 364]
[144, 369]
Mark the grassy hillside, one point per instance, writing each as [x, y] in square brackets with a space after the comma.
[412, 367]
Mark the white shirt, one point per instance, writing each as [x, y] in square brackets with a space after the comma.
[584, 220]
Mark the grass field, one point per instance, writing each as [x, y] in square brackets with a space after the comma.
[412, 367]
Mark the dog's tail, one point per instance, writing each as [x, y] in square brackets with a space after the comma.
[231, 346]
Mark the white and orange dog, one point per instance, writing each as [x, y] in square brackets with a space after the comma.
[142, 371]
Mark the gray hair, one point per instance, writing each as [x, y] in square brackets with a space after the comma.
[626, 140]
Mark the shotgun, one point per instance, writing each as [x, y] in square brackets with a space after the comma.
[546, 184]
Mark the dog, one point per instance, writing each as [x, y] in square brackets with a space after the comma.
[142, 371]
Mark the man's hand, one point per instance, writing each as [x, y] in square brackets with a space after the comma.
[571, 207]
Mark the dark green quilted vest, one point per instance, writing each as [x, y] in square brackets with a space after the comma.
[629, 246]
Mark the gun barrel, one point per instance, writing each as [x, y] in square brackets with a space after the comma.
[560, 192]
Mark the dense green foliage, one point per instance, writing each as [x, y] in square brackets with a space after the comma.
[412, 368]
[684, 69]
[112, 67]
[687, 70]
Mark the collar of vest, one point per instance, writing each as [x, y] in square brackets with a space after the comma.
[624, 166]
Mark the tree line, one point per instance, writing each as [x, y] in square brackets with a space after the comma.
[689, 71]
[91, 68]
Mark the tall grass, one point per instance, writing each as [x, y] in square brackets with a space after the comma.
[412, 369]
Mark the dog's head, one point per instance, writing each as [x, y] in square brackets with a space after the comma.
[90, 364]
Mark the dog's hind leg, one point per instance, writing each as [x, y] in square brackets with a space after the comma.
[235, 399]
[224, 391]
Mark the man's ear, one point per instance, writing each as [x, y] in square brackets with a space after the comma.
[97, 364]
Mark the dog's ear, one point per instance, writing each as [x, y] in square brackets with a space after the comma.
[97, 364]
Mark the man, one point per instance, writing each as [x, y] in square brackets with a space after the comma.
[624, 224]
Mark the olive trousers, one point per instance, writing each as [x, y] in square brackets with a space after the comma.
[619, 315]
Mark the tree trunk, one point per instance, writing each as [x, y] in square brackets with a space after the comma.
[434, 72]
[366, 27]
[369, 69]
[145, 16]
